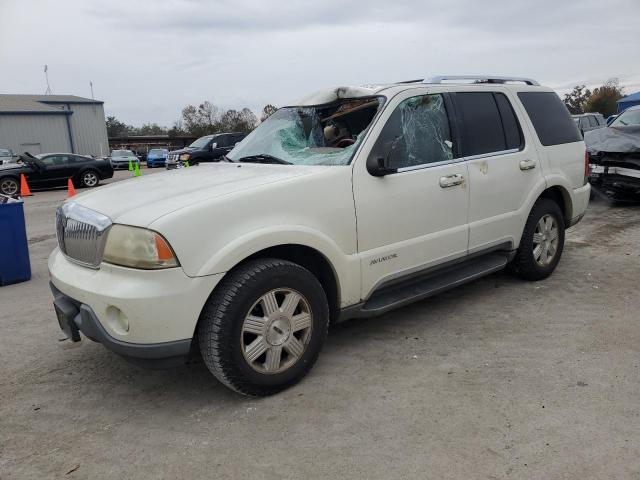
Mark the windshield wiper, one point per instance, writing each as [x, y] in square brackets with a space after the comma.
[263, 158]
[227, 159]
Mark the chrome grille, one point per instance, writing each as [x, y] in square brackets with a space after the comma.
[81, 233]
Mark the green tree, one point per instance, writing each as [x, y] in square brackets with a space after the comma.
[151, 129]
[177, 130]
[116, 128]
[577, 99]
[604, 99]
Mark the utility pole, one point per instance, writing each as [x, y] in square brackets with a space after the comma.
[46, 77]
[91, 85]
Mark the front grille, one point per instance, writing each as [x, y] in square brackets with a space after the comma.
[81, 233]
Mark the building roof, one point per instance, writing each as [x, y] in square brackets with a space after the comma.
[10, 103]
[634, 97]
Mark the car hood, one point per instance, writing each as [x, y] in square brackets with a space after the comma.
[124, 159]
[617, 139]
[182, 150]
[10, 166]
[141, 200]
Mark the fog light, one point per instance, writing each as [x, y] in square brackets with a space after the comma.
[117, 320]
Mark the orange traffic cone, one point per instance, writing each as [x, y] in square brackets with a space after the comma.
[71, 191]
[24, 187]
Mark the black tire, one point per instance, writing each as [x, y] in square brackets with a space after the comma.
[524, 264]
[9, 186]
[220, 328]
[88, 179]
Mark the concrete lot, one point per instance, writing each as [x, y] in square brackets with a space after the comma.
[498, 379]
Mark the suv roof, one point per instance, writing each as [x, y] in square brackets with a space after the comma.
[481, 81]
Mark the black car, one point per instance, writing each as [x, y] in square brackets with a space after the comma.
[210, 148]
[52, 170]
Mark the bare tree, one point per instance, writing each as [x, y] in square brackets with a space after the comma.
[267, 111]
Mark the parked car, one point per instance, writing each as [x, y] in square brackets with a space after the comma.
[353, 202]
[157, 157]
[614, 155]
[6, 156]
[210, 148]
[589, 121]
[141, 154]
[52, 170]
[120, 159]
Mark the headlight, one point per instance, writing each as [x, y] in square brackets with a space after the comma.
[138, 248]
[184, 157]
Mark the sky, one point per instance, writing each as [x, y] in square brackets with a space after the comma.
[147, 59]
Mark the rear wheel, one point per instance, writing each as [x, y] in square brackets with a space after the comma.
[89, 179]
[263, 327]
[9, 186]
[542, 241]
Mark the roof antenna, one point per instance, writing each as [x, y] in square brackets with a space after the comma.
[91, 85]
[46, 77]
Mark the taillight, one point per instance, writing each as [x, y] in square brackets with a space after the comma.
[586, 167]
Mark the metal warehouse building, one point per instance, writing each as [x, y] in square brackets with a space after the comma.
[53, 123]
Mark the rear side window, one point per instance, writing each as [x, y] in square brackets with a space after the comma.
[550, 118]
[488, 123]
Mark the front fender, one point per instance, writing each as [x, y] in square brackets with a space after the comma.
[346, 267]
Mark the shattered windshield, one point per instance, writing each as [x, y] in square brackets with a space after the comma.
[317, 135]
[628, 117]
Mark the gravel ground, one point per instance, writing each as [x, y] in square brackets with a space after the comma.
[497, 379]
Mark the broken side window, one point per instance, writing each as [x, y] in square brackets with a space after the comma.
[416, 133]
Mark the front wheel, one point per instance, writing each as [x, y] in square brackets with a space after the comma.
[263, 327]
[542, 241]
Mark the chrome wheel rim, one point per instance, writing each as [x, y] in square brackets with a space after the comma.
[9, 186]
[545, 240]
[90, 179]
[276, 331]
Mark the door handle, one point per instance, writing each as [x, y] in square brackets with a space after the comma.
[527, 164]
[451, 180]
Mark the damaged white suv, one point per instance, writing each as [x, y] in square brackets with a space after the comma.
[350, 203]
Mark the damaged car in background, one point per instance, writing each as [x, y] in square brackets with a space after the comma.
[614, 157]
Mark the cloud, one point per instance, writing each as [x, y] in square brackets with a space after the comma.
[149, 58]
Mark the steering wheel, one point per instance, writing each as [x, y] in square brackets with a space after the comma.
[345, 142]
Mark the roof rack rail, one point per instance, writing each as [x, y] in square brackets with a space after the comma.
[417, 80]
[482, 79]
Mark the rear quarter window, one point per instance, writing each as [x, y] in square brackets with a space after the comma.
[550, 118]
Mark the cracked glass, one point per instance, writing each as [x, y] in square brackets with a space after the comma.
[416, 133]
[311, 135]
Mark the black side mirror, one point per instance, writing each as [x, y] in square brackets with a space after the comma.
[379, 166]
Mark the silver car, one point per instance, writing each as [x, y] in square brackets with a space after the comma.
[6, 156]
[121, 158]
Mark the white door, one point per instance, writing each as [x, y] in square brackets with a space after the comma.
[503, 170]
[417, 217]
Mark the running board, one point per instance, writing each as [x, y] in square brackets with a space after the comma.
[431, 283]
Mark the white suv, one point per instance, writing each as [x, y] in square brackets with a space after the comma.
[350, 203]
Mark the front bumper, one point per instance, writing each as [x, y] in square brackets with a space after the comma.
[130, 311]
[616, 182]
[75, 317]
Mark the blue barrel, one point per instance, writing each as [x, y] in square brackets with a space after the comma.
[14, 249]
